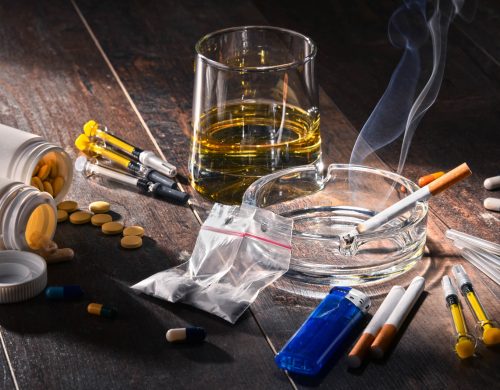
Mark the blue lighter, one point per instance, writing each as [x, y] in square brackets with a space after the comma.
[324, 331]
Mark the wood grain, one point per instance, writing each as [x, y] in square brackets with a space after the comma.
[357, 68]
[52, 80]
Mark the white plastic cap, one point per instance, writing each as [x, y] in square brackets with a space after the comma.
[23, 275]
[149, 159]
[448, 288]
[460, 275]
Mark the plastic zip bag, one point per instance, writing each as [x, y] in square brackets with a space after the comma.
[239, 251]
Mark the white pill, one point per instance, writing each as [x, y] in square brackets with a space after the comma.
[492, 204]
[492, 183]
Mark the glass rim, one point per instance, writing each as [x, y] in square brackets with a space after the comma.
[267, 68]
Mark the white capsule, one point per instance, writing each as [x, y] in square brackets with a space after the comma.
[492, 204]
[492, 183]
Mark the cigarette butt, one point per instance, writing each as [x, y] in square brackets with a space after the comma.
[360, 350]
[383, 341]
[424, 180]
[449, 178]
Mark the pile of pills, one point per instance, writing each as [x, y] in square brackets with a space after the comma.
[46, 176]
[98, 216]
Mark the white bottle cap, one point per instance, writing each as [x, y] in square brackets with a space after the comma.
[23, 275]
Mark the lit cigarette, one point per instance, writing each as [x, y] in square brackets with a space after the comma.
[147, 157]
[361, 348]
[433, 188]
[387, 333]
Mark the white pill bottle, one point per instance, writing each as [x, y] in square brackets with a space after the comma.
[20, 153]
[26, 214]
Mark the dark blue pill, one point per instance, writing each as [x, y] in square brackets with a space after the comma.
[68, 293]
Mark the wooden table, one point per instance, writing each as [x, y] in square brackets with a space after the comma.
[129, 64]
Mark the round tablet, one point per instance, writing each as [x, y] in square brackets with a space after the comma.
[99, 207]
[112, 228]
[68, 206]
[133, 231]
[80, 217]
[100, 219]
[62, 215]
[131, 242]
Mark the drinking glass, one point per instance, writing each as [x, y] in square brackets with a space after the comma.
[255, 108]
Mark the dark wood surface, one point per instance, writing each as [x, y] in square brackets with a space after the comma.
[53, 78]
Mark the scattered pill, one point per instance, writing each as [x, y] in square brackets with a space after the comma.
[100, 219]
[58, 185]
[36, 182]
[133, 231]
[47, 187]
[188, 335]
[62, 215]
[492, 204]
[68, 206]
[131, 242]
[98, 309]
[44, 172]
[99, 207]
[112, 228]
[67, 293]
[80, 217]
[59, 256]
[424, 180]
[492, 183]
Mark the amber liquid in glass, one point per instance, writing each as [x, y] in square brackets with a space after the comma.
[239, 143]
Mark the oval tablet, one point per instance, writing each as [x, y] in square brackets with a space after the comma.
[99, 207]
[492, 183]
[44, 172]
[112, 228]
[133, 231]
[68, 206]
[57, 185]
[100, 219]
[131, 242]
[80, 217]
[36, 182]
[47, 187]
[62, 215]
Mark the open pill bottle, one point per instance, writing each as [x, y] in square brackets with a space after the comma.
[24, 155]
[27, 216]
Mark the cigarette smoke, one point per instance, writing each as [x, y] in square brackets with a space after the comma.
[412, 89]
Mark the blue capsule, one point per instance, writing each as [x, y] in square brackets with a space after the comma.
[66, 293]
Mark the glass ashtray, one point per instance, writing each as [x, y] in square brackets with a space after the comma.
[327, 206]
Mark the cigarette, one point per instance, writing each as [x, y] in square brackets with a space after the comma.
[389, 330]
[424, 193]
[360, 350]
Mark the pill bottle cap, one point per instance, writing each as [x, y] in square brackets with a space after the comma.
[23, 275]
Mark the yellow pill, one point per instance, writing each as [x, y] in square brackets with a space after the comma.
[133, 231]
[57, 185]
[99, 207]
[47, 187]
[80, 217]
[44, 172]
[36, 182]
[68, 206]
[111, 228]
[131, 242]
[35, 171]
[54, 169]
[101, 219]
[62, 215]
